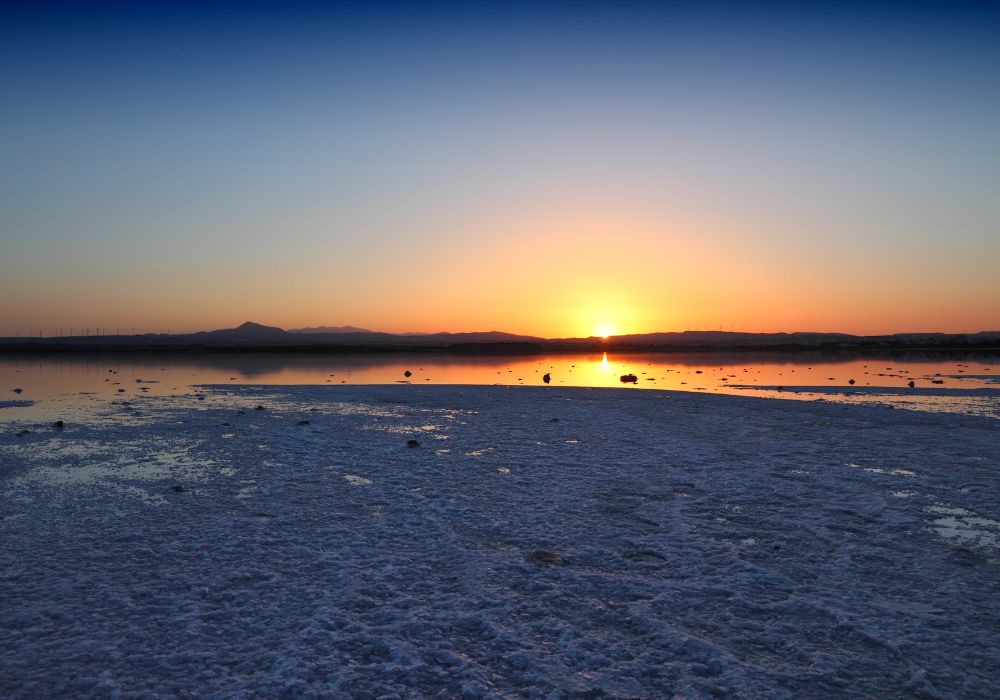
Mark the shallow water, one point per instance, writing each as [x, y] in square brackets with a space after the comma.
[54, 386]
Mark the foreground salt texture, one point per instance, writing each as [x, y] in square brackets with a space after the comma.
[708, 546]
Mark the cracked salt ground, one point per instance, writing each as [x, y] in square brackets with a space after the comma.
[965, 527]
[689, 545]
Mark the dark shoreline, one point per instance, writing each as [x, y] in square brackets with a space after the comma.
[42, 347]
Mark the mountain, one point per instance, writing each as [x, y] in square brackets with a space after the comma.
[246, 332]
[254, 337]
[330, 329]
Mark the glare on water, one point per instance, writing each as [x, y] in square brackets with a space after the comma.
[968, 383]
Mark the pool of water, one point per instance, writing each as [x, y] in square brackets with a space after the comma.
[51, 385]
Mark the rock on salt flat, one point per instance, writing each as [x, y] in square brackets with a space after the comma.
[649, 544]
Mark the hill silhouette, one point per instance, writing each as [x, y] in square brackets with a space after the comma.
[256, 337]
[330, 329]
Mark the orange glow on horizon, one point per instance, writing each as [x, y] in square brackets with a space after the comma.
[604, 271]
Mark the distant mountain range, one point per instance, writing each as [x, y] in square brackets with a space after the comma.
[330, 329]
[256, 337]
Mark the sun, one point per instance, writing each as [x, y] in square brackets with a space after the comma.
[605, 332]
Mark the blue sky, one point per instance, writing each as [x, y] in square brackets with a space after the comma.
[775, 166]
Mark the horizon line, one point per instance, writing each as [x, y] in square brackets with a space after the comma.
[101, 331]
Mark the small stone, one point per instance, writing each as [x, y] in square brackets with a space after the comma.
[629, 379]
[17, 391]
[412, 443]
[59, 425]
[407, 373]
[911, 384]
[21, 433]
[121, 391]
[177, 488]
[546, 377]
[851, 382]
[259, 408]
[302, 422]
[540, 556]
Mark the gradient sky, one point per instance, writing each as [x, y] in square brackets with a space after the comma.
[547, 168]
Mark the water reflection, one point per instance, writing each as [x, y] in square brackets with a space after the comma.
[72, 380]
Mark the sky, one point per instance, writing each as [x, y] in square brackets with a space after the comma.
[554, 169]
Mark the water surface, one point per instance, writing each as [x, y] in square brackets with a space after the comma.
[967, 383]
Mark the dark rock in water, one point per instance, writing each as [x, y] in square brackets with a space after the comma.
[540, 556]
[21, 433]
[302, 422]
[851, 382]
[59, 424]
[241, 413]
[629, 379]
[17, 391]
[259, 408]
[911, 384]
[546, 377]
[407, 373]
[697, 371]
[177, 488]
[937, 381]
[121, 391]
[412, 443]
[553, 420]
